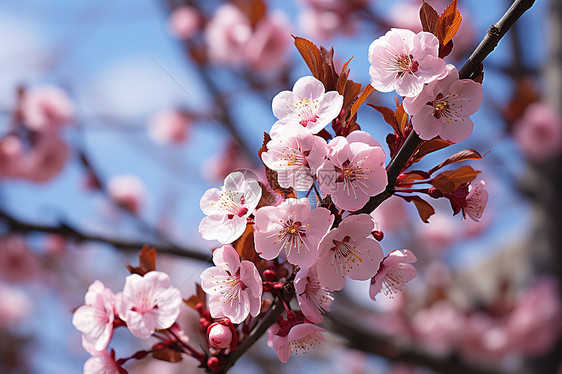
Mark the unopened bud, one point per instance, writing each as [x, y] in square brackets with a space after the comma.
[269, 275]
[204, 323]
[214, 364]
[378, 235]
[220, 336]
[434, 192]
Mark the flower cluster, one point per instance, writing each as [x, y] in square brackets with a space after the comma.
[316, 231]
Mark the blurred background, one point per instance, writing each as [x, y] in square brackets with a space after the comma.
[115, 117]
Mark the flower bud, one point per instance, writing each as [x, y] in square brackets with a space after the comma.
[269, 275]
[378, 235]
[220, 336]
[434, 192]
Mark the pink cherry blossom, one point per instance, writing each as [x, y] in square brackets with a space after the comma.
[484, 337]
[394, 272]
[308, 104]
[301, 339]
[266, 49]
[227, 34]
[95, 318]
[228, 208]
[326, 23]
[476, 201]
[11, 156]
[15, 307]
[46, 108]
[234, 287]
[539, 132]
[295, 154]
[403, 61]
[184, 22]
[46, 159]
[312, 297]
[18, 263]
[148, 303]
[390, 215]
[102, 363]
[348, 251]
[169, 127]
[354, 170]
[294, 227]
[534, 325]
[439, 327]
[128, 191]
[443, 107]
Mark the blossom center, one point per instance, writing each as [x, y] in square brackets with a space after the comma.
[401, 64]
[306, 344]
[346, 256]
[318, 295]
[291, 235]
[440, 106]
[232, 203]
[306, 109]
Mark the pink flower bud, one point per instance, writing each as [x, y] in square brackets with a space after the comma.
[220, 336]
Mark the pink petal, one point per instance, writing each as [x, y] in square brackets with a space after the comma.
[308, 87]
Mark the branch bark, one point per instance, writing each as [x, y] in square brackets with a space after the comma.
[16, 225]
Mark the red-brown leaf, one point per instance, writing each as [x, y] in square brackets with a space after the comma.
[388, 115]
[401, 119]
[467, 154]
[147, 261]
[360, 100]
[311, 55]
[449, 23]
[430, 146]
[425, 210]
[428, 17]
[414, 175]
[167, 354]
[449, 181]
[271, 175]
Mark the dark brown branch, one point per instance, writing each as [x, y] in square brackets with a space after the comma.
[19, 226]
[486, 46]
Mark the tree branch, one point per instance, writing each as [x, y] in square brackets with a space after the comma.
[367, 340]
[19, 226]
[486, 46]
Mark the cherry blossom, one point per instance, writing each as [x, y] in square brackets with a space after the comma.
[348, 251]
[394, 272]
[294, 227]
[46, 108]
[95, 318]
[11, 155]
[148, 303]
[102, 363]
[300, 339]
[539, 132]
[295, 154]
[403, 61]
[184, 22]
[15, 307]
[269, 43]
[443, 107]
[308, 104]
[476, 201]
[234, 287]
[227, 34]
[169, 127]
[326, 23]
[46, 159]
[18, 263]
[128, 191]
[440, 327]
[228, 208]
[354, 170]
[312, 297]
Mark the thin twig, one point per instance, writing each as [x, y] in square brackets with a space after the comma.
[19, 226]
